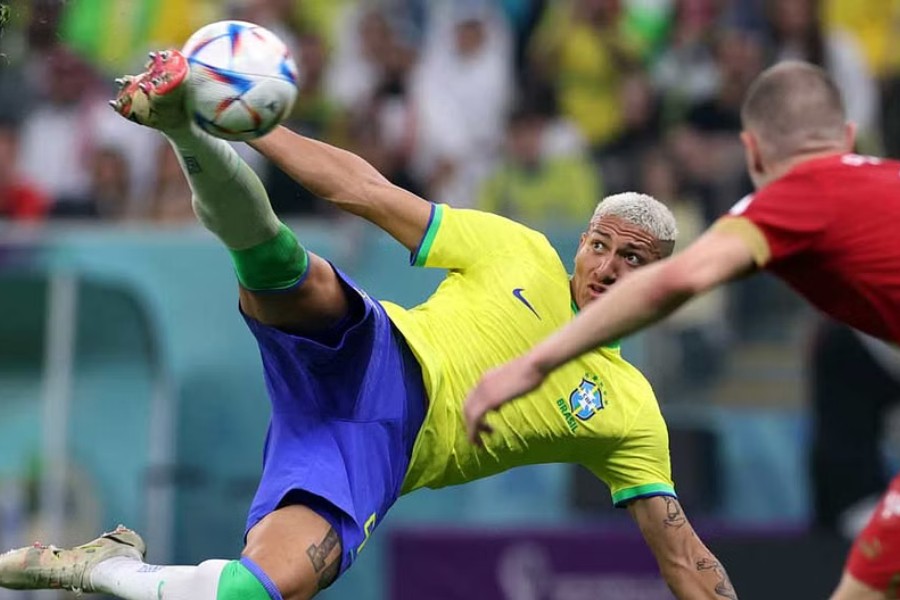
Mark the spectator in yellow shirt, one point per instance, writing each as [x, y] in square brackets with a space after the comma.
[545, 176]
[585, 50]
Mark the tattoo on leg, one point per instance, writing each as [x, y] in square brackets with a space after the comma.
[674, 515]
[330, 573]
[723, 586]
[318, 555]
[191, 164]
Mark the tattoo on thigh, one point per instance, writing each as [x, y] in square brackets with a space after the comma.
[723, 585]
[674, 515]
[330, 573]
[318, 555]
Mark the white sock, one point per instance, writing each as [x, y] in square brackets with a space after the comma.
[132, 579]
[229, 199]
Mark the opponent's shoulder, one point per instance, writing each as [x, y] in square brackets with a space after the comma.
[808, 184]
[823, 183]
[827, 175]
[859, 172]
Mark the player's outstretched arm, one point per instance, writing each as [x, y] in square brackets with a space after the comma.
[691, 571]
[641, 299]
[647, 296]
[348, 181]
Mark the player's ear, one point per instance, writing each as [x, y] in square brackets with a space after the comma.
[849, 136]
[752, 153]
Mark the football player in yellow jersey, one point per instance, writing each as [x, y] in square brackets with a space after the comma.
[367, 396]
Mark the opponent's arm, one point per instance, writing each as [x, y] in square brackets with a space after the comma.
[642, 298]
[689, 568]
[648, 296]
[348, 181]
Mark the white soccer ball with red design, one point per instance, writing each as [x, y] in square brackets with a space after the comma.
[243, 79]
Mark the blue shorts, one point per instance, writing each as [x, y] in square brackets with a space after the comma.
[346, 409]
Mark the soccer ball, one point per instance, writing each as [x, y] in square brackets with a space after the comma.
[243, 80]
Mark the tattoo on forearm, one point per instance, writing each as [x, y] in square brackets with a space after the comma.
[318, 555]
[674, 515]
[723, 585]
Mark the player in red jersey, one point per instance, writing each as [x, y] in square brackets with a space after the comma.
[822, 219]
[873, 569]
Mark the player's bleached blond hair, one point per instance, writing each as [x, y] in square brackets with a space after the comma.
[642, 210]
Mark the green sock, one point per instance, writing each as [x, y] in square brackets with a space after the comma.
[237, 582]
[276, 264]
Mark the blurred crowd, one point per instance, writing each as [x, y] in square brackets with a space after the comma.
[534, 109]
[529, 108]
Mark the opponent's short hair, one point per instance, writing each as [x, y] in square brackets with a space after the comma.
[642, 210]
[794, 107]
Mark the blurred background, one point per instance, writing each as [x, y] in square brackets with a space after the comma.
[131, 392]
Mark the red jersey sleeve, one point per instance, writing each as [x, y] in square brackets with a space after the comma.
[783, 219]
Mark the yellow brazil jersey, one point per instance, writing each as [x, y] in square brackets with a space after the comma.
[506, 290]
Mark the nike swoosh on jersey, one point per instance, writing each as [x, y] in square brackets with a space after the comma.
[518, 294]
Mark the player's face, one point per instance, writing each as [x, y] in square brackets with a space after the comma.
[610, 249]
